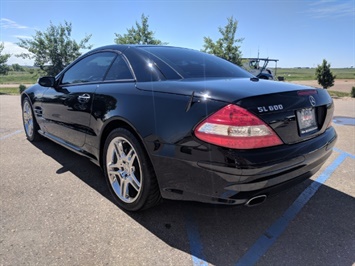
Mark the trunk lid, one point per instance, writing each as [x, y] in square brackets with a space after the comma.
[295, 112]
[295, 115]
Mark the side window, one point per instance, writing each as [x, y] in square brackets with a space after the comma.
[89, 69]
[119, 70]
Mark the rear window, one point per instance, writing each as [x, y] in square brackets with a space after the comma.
[193, 64]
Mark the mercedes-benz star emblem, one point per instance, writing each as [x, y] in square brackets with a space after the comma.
[312, 101]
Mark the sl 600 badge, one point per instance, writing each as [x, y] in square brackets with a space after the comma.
[270, 108]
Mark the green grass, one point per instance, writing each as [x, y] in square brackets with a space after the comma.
[344, 73]
[9, 91]
[292, 74]
[338, 94]
[23, 77]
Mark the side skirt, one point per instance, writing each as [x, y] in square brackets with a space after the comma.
[70, 146]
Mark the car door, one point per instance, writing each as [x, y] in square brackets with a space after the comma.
[67, 108]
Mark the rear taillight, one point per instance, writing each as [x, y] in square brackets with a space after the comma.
[237, 128]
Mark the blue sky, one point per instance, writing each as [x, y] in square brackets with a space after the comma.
[300, 33]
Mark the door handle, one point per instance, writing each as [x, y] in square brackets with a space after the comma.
[84, 98]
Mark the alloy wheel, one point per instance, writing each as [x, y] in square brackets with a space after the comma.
[124, 170]
[28, 119]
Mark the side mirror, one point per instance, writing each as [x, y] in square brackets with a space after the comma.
[46, 81]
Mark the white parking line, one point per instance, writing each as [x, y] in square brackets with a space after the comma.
[11, 134]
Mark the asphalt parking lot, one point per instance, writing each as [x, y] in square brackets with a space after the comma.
[56, 210]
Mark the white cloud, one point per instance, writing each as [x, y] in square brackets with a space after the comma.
[331, 8]
[23, 37]
[14, 49]
[320, 2]
[6, 23]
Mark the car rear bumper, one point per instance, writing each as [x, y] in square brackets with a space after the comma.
[207, 173]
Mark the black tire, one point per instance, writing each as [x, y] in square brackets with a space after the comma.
[29, 121]
[128, 171]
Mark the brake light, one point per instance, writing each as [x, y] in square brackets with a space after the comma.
[306, 92]
[235, 127]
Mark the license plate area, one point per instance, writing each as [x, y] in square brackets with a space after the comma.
[307, 121]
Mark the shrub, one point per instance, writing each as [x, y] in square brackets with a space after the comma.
[22, 88]
[352, 93]
[324, 75]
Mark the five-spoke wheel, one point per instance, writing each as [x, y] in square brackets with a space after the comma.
[128, 171]
[29, 122]
[124, 169]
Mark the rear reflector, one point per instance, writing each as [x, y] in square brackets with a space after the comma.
[235, 127]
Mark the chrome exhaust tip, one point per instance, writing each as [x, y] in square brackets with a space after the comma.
[255, 201]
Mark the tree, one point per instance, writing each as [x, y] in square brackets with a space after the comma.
[4, 68]
[226, 46]
[139, 35]
[54, 48]
[17, 68]
[324, 76]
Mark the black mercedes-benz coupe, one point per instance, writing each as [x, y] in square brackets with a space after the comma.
[169, 122]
